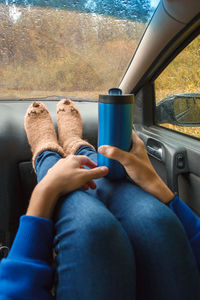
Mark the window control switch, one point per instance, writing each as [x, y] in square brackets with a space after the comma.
[180, 161]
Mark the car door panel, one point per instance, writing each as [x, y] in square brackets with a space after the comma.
[189, 190]
[179, 165]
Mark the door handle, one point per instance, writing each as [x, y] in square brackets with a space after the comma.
[155, 151]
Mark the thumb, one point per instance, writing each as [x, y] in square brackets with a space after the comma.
[96, 173]
[114, 153]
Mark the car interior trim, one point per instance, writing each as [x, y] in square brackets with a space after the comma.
[183, 12]
[171, 15]
[161, 29]
[173, 48]
[153, 43]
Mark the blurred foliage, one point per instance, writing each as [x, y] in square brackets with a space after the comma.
[54, 50]
[182, 75]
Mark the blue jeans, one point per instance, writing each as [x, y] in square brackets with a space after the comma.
[118, 242]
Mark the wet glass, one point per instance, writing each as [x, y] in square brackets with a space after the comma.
[182, 77]
[48, 51]
[187, 110]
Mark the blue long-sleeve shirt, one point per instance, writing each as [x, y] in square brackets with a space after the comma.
[27, 273]
[190, 222]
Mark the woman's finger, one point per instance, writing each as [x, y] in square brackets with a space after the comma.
[92, 184]
[137, 143]
[95, 173]
[115, 153]
[86, 186]
[86, 161]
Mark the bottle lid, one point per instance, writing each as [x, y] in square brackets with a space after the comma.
[115, 96]
[115, 91]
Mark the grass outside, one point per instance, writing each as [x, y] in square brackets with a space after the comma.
[181, 76]
[190, 130]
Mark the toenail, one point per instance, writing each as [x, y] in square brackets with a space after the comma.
[35, 104]
[66, 102]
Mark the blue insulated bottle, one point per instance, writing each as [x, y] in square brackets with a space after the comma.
[115, 128]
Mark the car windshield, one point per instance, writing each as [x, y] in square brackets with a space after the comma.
[76, 52]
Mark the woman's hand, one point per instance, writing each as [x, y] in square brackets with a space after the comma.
[64, 177]
[139, 168]
[68, 174]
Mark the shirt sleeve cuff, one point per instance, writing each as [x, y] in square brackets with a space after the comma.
[189, 220]
[33, 240]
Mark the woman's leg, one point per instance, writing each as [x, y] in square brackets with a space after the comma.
[94, 255]
[165, 264]
[154, 231]
[44, 161]
[95, 258]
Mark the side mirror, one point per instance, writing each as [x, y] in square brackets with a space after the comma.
[181, 109]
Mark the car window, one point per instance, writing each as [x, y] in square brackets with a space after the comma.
[46, 51]
[177, 92]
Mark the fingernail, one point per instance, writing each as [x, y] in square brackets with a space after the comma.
[102, 150]
[104, 169]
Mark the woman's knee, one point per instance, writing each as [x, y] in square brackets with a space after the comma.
[84, 220]
[153, 222]
[93, 250]
[89, 236]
